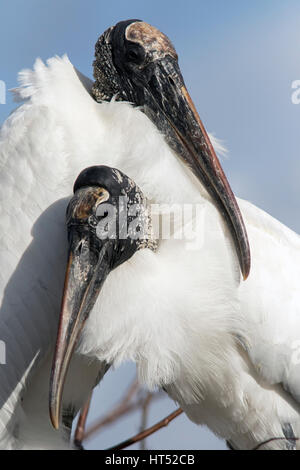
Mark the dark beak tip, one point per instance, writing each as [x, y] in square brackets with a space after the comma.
[55, 425]
[246, 271]
[53, 411]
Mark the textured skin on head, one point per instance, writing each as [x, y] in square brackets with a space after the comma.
[97, 184]
[155, 43]
[107, 82]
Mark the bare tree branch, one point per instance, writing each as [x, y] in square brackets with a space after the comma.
[125, 407]
[122, 409]
[138, 437]
[145, 411]
[275, 439]
[80, 428]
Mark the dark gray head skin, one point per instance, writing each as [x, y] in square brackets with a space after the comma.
[137, 63]
[99, 193]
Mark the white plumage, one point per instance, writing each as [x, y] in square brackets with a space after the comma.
[224, 349]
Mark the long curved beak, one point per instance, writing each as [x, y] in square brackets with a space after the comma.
[167, 99]
[87, 268]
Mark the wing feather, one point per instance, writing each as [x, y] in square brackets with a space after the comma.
[36, 178]
[270, 299]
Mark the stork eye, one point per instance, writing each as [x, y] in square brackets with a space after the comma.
[102, 195]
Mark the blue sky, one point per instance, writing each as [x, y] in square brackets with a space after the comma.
[239, 59]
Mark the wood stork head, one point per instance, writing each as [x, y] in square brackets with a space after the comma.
[137, 63]
[108, 221]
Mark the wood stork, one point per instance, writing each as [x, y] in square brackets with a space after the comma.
[94, 253]
[224, 349]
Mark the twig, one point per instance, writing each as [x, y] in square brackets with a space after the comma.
[80, 428]
[275, 439]
[145, 410]
[123, 408]
[115, 414]
[138, 437]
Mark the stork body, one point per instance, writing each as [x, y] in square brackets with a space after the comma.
[221, 347]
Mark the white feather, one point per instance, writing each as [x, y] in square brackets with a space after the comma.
[220, 346]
